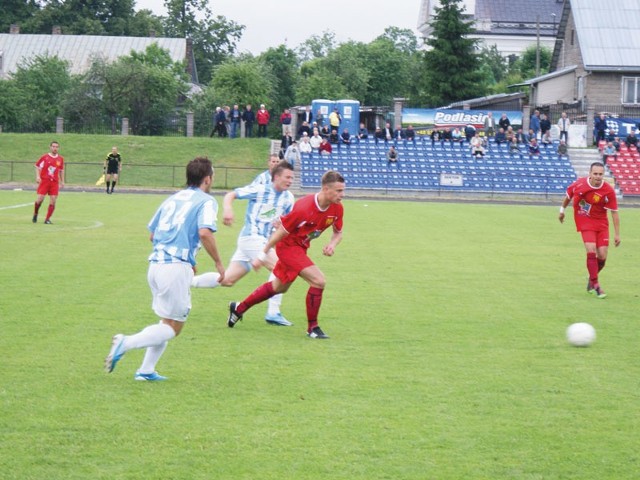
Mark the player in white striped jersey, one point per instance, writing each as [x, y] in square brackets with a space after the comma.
[183, 223]
[265, 177]
[267, 202]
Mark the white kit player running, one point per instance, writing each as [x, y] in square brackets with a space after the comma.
[267, 203]
[183, 223]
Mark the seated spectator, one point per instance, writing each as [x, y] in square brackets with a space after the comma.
[456, 135]
[325, 147]
[304, 128]
[534, 148]
[532, 135]
[609, 151]
[562, 151]
[410, 134]
[324, 131]
[334, 138]
[398, 135]
[546, 137]
[610, 136]
[305, 144]
[392, 155]
[500, 137]
[388, 132]
[509, 133]
[435, 136]
[477, 146]
[315, 139]
[445, 135]
[522, 137]
[292, 154]
[632, 139]
[617, 143]
[514, 146]
[379, 135]
[363, 133]
[345, 137]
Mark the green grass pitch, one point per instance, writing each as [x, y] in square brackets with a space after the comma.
[447, 357]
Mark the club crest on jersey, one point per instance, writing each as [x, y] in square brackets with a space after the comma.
[330, 221]
[58, 163]
[596, 198]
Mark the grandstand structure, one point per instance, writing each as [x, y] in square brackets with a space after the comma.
[442, 167]
[625, 168]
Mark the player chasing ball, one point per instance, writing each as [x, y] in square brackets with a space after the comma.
[309, 218]
[267, 203]
[184, 222]
[592, 198]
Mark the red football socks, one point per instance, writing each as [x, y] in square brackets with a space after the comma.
[260, 294]
[592, 267]
[314, 300]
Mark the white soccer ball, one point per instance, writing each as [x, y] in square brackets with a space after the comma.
[581, 334]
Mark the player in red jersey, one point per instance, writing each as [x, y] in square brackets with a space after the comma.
[50, 178]
[592, 198]
[309, 218]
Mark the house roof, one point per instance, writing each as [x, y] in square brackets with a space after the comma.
[519, 11]
[609, 34]
[546, 76]
[78, 50]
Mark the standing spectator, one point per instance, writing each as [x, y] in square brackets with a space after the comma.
[600, 126]
[319, 118]
[545, 128]
[50, 179]
[563, 125]
[592, 198]
[504, 122]
[221, 122]
[489, 125]
[183, 223]
[285, 120]
[335, 119]
[325, 147]
[309, 218]
[234, 121]
[392, 155]
[285, 141]
[363, 133]
[307, 116]
[249, 118]
[262, 117]
[534, 123]
[227, 120]
[469, 132]
[112, 167]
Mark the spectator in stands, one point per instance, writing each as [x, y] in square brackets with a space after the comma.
[611, 136]
[477, 146]
[305, 144]
[227, 119]
[398, 135]
[504, 122]
[534, 148]
[445, 136]
[234, 121]
[410, 134]
[378, 135]
[292, 154]
[469, 132]
[600, 126]
[319, 118]
[249, 118]
[609, 151]
[335, 119]
[315, 139]
[509, 133]
[522, 137]
[304, 128]
[262, 117]
[514, 146]
[363, 133]
[325, 147]
[307, 116]
[286, 140]
[388, 132]
[546, 138]
[563, 125]
[616, 143]
[345, 137]
[325, 131]
[221, 125]
[285, 120]
[562, 150]
[334, 138]
[500, 137]
[534, 123]
[489, 125]
[531, 135]
[545, 127]
[392, 155]
[631, 139]
[435, 136]
[456, 136]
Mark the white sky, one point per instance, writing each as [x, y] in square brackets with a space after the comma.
[269, 23]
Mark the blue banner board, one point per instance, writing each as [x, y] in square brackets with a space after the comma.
[427, 118]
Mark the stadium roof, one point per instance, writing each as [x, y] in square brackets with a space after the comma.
[608, 34]
[78, 50]
[546, 76]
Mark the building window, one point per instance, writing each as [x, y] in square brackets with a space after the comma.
[631, 90]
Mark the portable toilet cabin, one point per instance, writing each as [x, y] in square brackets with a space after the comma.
[350, 112]
[321, 109]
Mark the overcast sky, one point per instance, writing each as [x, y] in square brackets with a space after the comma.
[269, 23]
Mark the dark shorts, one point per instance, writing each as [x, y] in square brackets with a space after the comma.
[112, 170]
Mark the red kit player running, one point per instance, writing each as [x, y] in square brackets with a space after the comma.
[309, 218]
[592, 198]
[50, 178]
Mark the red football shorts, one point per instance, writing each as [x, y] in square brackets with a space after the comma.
[48, 187]
[291, 261]
[599, 237]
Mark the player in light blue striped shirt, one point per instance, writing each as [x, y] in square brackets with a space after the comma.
[267, 202]
[183, 223]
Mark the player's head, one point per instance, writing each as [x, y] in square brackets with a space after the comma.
[199, 172]
[54, 146]
[114, 149]
[596, 174]
[333, 186]
[282, 176]
[273, 162]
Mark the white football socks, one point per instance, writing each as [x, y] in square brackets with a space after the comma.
[275, 301]
[151, 336]
[206, 280]
[151, 357]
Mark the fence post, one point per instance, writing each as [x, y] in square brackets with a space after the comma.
[125, 127]
[526, 118]
[189, 124]
[59, 125]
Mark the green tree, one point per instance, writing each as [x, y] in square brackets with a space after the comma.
[16, 12]
[403, 39]
[451, 66]
[526, 64]
[214, 38]
[317, 46]
[239, 81]
[282, 62]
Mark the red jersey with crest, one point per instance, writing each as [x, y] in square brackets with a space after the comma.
[307, 221]
[50, 167]
[591, 204]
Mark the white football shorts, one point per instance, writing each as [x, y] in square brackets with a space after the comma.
[171, 289]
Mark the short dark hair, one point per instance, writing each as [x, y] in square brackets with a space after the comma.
[197, 170]
[281, 167]
[331, 176]
[596, 164]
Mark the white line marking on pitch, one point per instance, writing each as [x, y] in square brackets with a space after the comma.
[16, 206]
